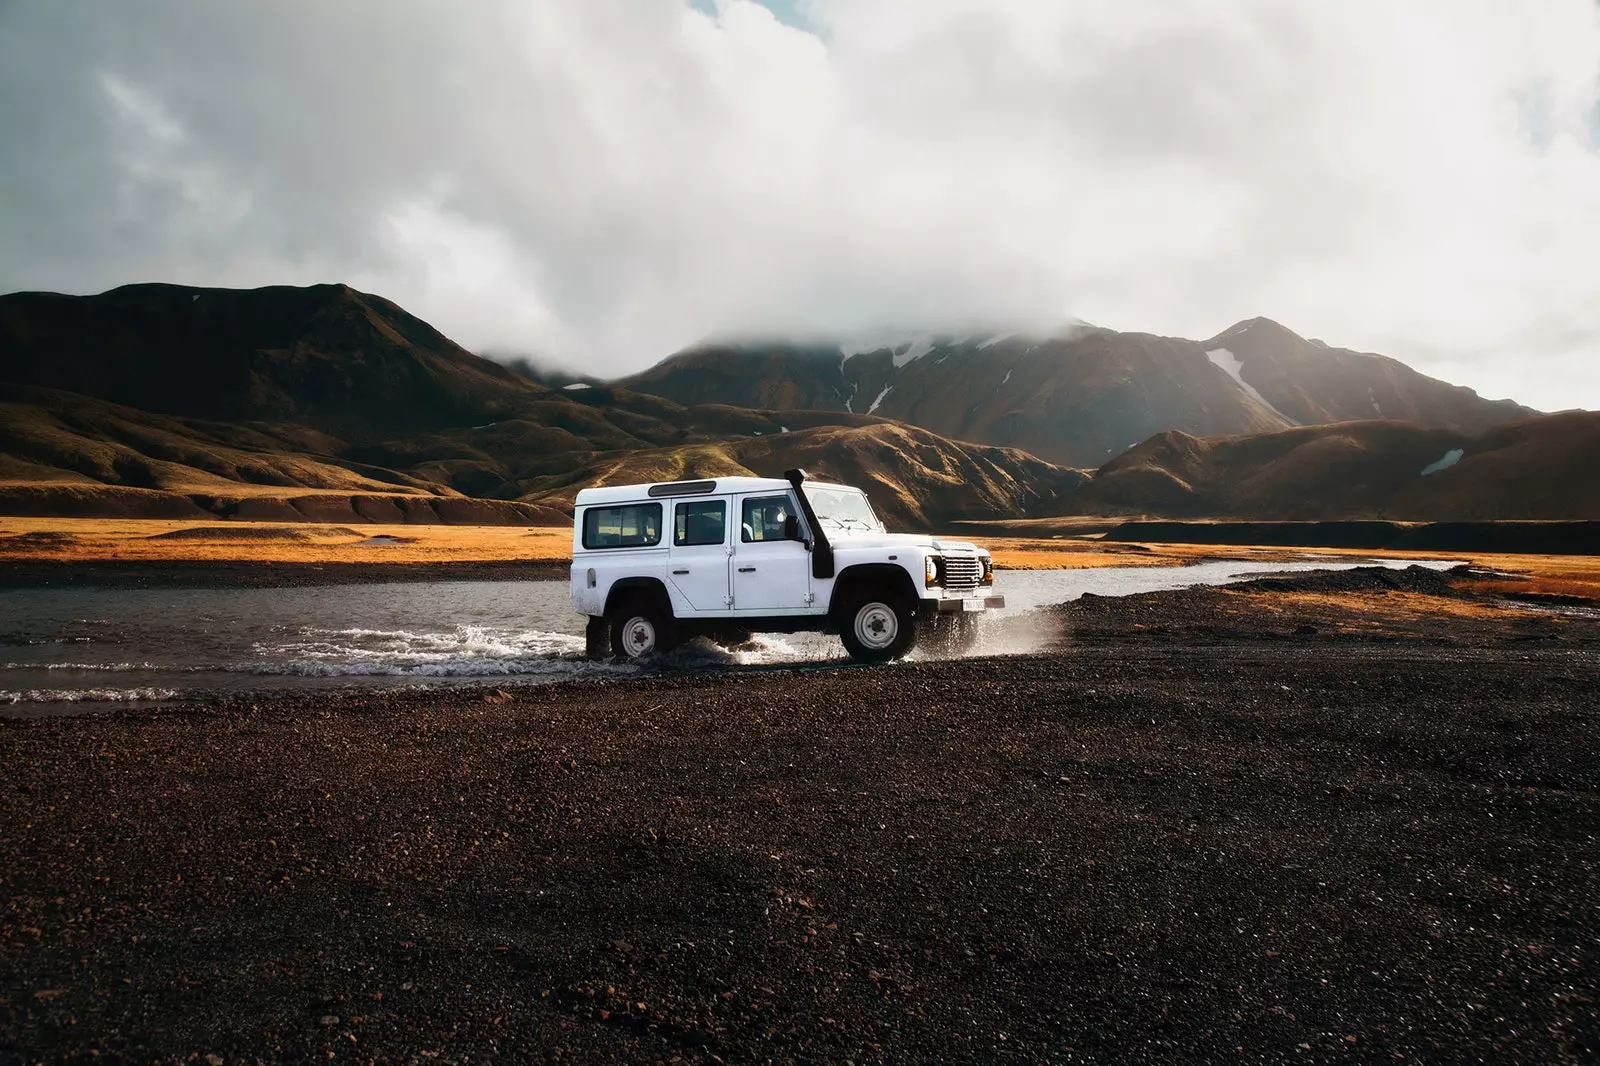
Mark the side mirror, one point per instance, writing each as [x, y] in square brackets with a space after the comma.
[791, 527]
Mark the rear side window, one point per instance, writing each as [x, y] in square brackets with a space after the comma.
[701, 522]
[634, 525]
[763, 518]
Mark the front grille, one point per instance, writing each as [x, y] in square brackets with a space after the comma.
[961, 576]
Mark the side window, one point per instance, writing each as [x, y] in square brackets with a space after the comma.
[701, 522]
[633, 525]
[763, 518]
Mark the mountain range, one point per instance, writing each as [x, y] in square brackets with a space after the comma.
[1081, 396]
[1538, 468]
[328, 403]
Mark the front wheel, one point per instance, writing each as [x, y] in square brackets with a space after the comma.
[879, 628]
[639, 630]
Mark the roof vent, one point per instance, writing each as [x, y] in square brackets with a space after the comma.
[683, 488]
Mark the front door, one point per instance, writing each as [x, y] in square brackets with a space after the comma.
[771, 572]
[699, 553]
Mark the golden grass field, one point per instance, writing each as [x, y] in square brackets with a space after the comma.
[103, 540]
[106, 539]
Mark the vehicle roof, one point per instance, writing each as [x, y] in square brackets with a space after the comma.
[722, 486]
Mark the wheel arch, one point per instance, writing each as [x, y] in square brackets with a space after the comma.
[852, 579]
[649, 588]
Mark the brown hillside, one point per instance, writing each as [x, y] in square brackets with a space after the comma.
[49, 435]
[915, 479]
[71, 455]
[1541, 468]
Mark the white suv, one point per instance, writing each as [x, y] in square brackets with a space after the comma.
[654, 565]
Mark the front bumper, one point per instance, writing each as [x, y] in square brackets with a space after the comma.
[985, 602]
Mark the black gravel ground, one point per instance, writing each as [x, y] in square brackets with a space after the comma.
[1291, 853]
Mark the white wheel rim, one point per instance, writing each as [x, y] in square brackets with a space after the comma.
[639, 637]
[877, 626]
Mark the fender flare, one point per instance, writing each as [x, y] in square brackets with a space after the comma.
[649, 587]
[876, 575]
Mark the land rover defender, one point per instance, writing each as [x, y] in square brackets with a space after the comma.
[655, 565]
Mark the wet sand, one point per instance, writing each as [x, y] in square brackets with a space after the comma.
[1174, 837]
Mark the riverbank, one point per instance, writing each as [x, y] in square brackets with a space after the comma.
[1157, 841]
[138, 553]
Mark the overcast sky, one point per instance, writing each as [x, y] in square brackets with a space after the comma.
[606, 181]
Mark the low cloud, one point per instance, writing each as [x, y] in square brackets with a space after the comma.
[603, 182]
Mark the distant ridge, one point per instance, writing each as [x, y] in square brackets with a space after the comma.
[1540, 468]
[1079, 396]
[326, 356]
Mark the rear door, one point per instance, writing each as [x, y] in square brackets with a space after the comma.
[698, 553]
[771, 574]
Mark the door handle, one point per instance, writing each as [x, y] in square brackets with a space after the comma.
[747, 569]
[680, 571]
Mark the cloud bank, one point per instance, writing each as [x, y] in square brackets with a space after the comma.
[604, 181]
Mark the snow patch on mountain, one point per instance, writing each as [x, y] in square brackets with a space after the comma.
[903, 349]
[1230, 364]
[574, 387]
[913, 351]
[996, 339]
[1444, 462]
[886, 390]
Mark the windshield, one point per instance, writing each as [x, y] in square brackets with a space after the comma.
[843, 508]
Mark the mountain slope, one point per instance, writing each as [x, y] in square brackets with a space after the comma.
[1079, 397]
[70, 455]
[328, 357]
[62, 453]
[1312, 384]
[1540, 468]
[914, 478]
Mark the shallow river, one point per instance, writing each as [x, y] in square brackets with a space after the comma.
[79, 649]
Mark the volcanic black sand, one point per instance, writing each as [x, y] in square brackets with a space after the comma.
[1171, 845]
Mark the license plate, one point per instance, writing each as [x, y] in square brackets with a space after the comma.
[973, 605]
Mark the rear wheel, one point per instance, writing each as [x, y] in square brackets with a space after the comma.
[640, 629]
[878, 627]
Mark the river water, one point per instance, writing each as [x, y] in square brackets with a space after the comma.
[82, 649]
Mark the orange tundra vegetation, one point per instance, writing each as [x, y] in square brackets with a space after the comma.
[176, 541]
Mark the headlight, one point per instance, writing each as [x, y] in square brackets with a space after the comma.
[988, 570]
[932, 570]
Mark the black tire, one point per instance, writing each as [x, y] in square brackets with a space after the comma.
[597, 638]
[639, 629]
[878, 626]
